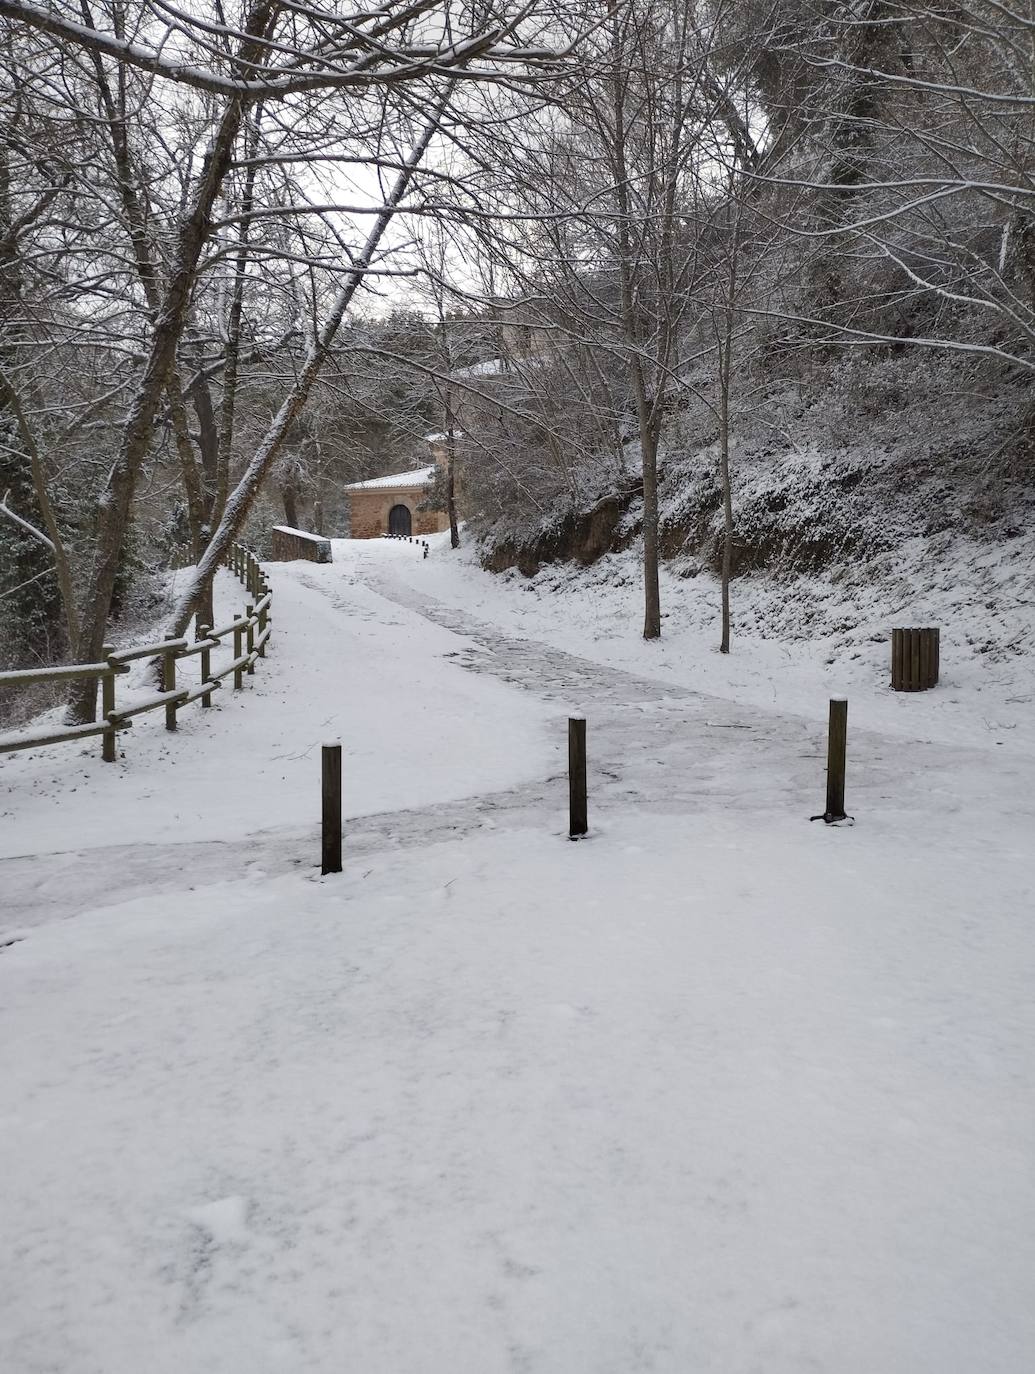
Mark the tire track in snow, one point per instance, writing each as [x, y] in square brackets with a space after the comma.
[706, 750]
[653, 744]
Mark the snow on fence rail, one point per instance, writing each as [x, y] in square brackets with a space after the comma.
[250, 633]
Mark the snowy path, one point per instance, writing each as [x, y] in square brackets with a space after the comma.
[672, 746]
[423, 739]
[715, 1091]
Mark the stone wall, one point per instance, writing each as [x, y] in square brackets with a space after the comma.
[430, 522]
[289, 545]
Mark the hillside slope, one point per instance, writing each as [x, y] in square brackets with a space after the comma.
[891, 491]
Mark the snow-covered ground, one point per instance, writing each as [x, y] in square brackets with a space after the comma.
[798, 641]
[714, 1090]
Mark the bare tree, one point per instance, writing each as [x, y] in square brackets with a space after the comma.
[592, 206]
[920, 166]
[218, 75]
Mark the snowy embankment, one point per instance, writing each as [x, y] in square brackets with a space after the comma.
[716, 1090]
[796, 641]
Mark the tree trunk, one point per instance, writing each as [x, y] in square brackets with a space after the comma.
[233, 332]
[725, 345]
[189, 470]
[646, 406]
[727, 500]
[289, 496]
[454, 529]
[116, 502]
[239, 503]
[208, 441]
[9, 397]
[651, 576]
[133, 198]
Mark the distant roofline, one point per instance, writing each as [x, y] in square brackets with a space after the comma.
[416, 477]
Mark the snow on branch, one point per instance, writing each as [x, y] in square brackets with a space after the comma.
[5, 509]
[367, 55]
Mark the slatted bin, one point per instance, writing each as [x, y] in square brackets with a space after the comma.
[915, 659]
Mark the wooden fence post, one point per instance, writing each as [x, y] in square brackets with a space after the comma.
[108, 706]
[330, 837]
[578, 823]
[250, 636]
[263, 618]
[837, 739]
[206, 611]
[169, 685]
[206, 663]
[238, 636]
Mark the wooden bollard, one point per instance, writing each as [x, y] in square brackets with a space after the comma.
[250, 637]
[330, 834]
[108, 706]
[915, 659]
[206, 663]
[837, 740]
[578, 823]
[169, 685]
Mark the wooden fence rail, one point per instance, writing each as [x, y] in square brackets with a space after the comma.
[253, 628]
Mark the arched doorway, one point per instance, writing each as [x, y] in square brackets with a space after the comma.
[399, 521]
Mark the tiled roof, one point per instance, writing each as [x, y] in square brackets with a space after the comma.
[416, 477]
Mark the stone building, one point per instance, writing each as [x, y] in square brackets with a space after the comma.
[389, 505]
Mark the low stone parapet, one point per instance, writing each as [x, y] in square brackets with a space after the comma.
[290, 544]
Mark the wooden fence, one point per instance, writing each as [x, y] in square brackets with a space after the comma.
[249, 633]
